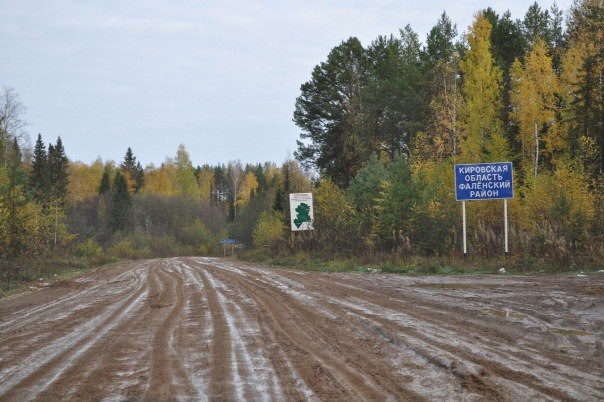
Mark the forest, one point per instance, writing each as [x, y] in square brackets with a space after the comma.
[381, 127]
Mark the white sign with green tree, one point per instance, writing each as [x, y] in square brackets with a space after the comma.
[301, 211]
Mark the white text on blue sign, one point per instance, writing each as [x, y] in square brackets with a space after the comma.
[483, 181]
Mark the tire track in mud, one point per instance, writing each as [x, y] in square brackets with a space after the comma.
[24, 316]
[514, 366]
[472, 370]
[45, 366]
[193, 338]
[222, 387]
[61, 313]
[303, 330]
[106, 357]
[436, 323]
[214, 329]
[163, 363]
[139, 360]
[252, 374]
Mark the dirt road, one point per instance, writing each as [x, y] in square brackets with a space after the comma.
[214, 329]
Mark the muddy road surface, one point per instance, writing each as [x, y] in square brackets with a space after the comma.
[214, 329]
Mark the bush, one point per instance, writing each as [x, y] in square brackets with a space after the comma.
[125, 247]
[164, 246]
[199, 239]
[89, 248]
[269, 232]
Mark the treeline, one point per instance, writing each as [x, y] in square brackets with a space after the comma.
[384, 125]
[175, 208]
[56, 213]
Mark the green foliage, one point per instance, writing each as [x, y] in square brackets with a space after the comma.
[16, 223]
[122, 203]
[132, 171]
[89, 248]
[396, 199]
[105, 185]
[185, 174]
[328, 111]
[39, 180]
[334, 217]
[270, 232]
[200, 238]
[434, 217]
[561, 199]
[57, 172]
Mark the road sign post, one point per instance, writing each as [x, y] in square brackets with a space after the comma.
[224, 242]
[484, 181]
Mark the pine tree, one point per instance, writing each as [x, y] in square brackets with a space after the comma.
[329, 113]
[410, 107]
[440, 42]
[281, 202]
[558, 37]
[444, 91]
[57, 184]
[536, 24]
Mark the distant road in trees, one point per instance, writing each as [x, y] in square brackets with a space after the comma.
[216, 329]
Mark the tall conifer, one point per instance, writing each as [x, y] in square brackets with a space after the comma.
[39, 174]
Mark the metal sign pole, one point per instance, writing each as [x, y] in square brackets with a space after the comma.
[505, 225]
[463, 211]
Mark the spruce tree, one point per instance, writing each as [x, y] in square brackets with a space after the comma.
[122, 203]
[58, 164]
[133, 172]
[105, 185]
[39, 174]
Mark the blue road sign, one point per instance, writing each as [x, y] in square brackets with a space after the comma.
[484, 181]
[228, 241]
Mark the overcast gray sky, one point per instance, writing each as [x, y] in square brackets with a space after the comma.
[220, 77]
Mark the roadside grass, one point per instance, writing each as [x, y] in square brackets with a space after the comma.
[412, 265]
[26, 275]
[34, 272]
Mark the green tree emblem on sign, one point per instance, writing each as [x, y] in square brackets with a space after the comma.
[303, 214]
